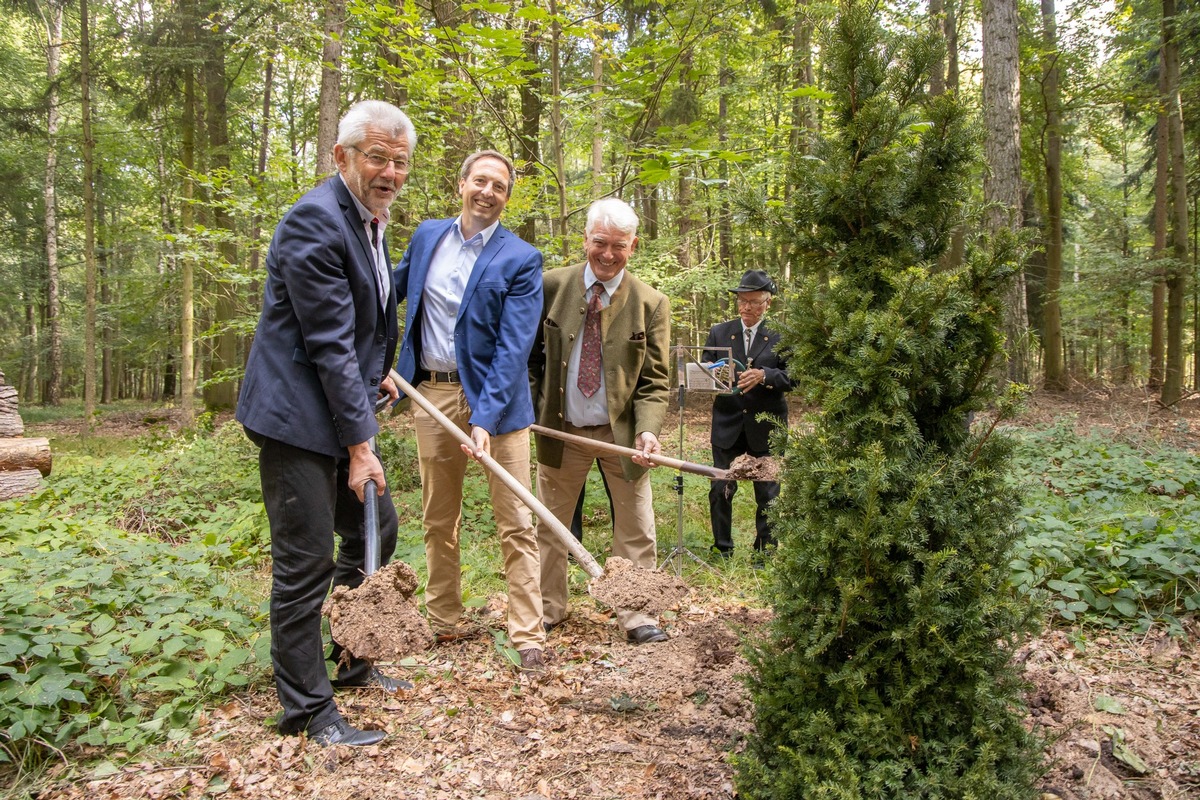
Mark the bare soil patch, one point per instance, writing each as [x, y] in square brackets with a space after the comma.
[748, 468]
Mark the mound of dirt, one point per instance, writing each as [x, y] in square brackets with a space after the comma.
[748, 468]
[379, 620]
[632, 588]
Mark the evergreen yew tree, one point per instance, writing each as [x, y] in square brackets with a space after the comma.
[886, 672]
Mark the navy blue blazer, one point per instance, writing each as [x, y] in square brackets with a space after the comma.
[496, 325]
[324, 341]
[731, 414]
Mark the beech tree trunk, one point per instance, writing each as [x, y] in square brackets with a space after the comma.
[1158, 295]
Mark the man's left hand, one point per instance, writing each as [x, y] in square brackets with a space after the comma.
[646, 444]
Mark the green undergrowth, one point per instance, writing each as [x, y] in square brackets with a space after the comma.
[130, 595]
[1111, 529]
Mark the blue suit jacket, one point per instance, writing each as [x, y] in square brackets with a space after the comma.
[324, 341]
[496, 324]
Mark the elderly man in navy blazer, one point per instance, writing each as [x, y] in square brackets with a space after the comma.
[474, 294]
[321, 355]
[742, 421]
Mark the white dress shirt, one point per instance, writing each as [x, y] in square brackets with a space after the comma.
[383, 276]
[449, 270]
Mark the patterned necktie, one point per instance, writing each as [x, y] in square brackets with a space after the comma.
[589, 354]
[749, 339]
[380, 272]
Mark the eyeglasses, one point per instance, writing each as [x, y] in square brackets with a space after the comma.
[380, 161]
[744, 301]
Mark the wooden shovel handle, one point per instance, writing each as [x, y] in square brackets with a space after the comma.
[582, 556]
[609, 447]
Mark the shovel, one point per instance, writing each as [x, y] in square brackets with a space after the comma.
[608, 447]
[582, 557]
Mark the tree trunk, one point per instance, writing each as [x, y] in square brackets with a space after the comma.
[89, 219]
[220, 391]
[937, 19]
[104, 266]
[19, 483]
[187, 308]
[1158, 294]
[529, 135]
[597, 120]
[11, 423]
[53, 394]
[1172, 389]
[725, 218]
[330, 99]
[556, 129]
[1052, 365]
[1002, 152]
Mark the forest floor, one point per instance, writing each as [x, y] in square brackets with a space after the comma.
[1121, 715]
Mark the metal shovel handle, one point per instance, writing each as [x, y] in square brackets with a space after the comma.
[582, 556]
[371, 528]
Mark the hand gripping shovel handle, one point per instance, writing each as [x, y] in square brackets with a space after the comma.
[582, 556]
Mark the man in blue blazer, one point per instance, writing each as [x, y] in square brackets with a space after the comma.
[742, 422]
[474, 293]
[325, 342]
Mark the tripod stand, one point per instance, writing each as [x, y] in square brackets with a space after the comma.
[694, 376]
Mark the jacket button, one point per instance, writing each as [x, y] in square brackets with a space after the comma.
[374, 381]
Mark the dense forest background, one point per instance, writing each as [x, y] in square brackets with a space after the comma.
[147, 149]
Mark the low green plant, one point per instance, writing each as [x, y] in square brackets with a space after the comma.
[1111, 534]
[125, 598]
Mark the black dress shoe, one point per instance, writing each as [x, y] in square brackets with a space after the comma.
[549, 626]
[646, 634]
[376, 680]
[342, 732]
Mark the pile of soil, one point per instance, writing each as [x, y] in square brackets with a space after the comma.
[379, 620]
[631, 588]
[749, 468]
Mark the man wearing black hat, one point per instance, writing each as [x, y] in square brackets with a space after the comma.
[762, 380]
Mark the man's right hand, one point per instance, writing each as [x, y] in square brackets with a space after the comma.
[364, 466]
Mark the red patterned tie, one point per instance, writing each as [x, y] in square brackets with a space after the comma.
[589, 354]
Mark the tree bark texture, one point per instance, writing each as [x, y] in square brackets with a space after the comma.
[1177, 275]
[1158, 295]
[1002, 152]
[89, 217]
[330, 98]
[1052, 365]
[20, 454]
[19, 483]
[53, 393]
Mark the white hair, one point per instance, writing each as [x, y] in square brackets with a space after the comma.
[385, 117]
[611, 212]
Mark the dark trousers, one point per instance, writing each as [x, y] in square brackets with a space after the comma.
[577, 517]
[307, 501]
[720, 499]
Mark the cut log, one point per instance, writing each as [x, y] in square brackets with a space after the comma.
[23, 454]
[10, 420]
[19, 483]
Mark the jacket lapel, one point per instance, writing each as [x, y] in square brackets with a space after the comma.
[482, 264]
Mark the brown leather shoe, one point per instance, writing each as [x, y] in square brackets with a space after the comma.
[532, 661]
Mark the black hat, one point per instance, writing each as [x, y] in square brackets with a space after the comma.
[755, 280]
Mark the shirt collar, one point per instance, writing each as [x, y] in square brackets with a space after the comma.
[610, 285]
[481, 238]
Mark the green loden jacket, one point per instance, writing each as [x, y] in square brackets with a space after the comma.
[636, 330]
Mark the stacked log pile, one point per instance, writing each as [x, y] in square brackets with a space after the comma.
[23, 462]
